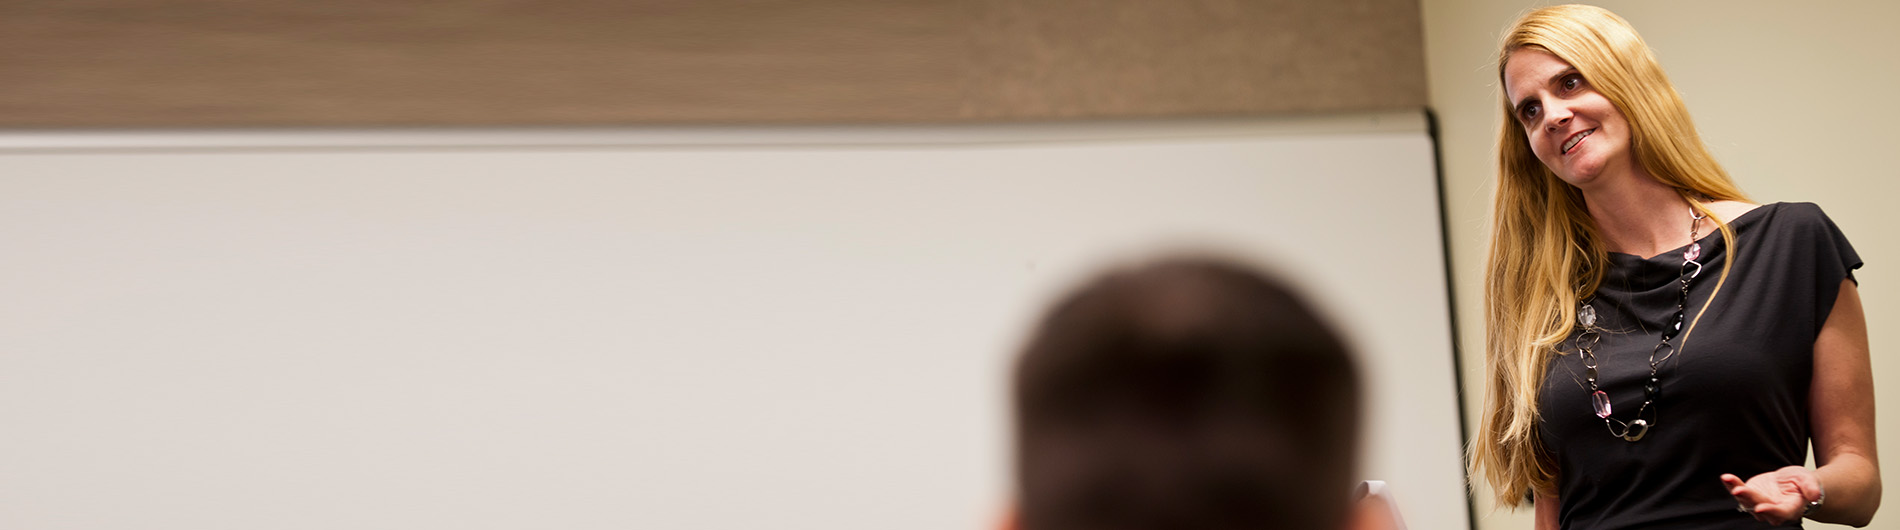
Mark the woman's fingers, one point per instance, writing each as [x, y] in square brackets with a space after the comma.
[1745, 494]
[1807, 485]
[1772, 513]
[1763, 501]
[1734, 483]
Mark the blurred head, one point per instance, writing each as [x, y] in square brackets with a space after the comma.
[1184, 394]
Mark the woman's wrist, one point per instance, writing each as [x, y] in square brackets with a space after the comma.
[1813, 504]
[1820, 496]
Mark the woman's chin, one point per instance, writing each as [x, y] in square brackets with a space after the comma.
[1581, 173]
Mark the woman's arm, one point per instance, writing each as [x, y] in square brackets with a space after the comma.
[1546, 506]
[1545, 511]
[1841, 411]
[1841, 415]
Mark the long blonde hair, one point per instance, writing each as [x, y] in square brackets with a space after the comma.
[1546, 251]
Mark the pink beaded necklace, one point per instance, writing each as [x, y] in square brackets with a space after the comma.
[1634, 430]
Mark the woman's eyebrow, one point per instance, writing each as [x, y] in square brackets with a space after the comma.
[1547, 82]
[1560, 75]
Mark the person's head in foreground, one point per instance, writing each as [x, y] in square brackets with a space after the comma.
[1184, 394]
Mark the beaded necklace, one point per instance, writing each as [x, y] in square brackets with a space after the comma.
[1587, 341]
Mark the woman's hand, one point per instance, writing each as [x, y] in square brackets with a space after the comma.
[1778, 496]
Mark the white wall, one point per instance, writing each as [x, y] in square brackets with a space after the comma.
[1796, 99]
[667, 328]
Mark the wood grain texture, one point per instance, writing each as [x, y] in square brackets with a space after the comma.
[215, 63]
[1091, 58]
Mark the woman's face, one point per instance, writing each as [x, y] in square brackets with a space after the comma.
[1573, 129]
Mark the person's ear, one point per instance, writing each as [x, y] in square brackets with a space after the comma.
[1008, 520]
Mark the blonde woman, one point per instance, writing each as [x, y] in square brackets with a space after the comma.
[1660, 352]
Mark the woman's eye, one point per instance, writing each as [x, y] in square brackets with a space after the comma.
[1572, 81]
[1529, 111]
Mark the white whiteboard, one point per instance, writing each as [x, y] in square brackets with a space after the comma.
[696, 328]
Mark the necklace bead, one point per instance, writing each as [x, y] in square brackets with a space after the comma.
[1586, 342]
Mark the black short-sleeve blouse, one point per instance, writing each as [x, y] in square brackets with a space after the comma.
[1733, 399]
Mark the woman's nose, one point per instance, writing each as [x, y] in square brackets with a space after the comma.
[1557, 116]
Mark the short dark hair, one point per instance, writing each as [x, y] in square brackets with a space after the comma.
[1188, 393]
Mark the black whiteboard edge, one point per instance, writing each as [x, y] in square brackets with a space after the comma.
[29, 141]
[1451, 312]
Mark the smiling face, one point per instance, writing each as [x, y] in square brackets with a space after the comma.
[1572, 128]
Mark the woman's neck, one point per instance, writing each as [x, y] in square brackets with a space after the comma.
[1639, 215]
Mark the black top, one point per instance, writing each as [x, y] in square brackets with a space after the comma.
[1734, 399]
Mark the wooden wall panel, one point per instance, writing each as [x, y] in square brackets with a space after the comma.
[1047, 58]
[210, 63]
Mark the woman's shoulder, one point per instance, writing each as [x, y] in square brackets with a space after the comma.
[1732, 211]
[1782, 216]
[1800, 224]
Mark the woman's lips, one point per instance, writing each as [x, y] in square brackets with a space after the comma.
[1578, 138]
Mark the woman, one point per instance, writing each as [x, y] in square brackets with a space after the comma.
[1643, 372]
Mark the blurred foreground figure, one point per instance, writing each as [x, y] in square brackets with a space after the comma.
[1185, 394]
